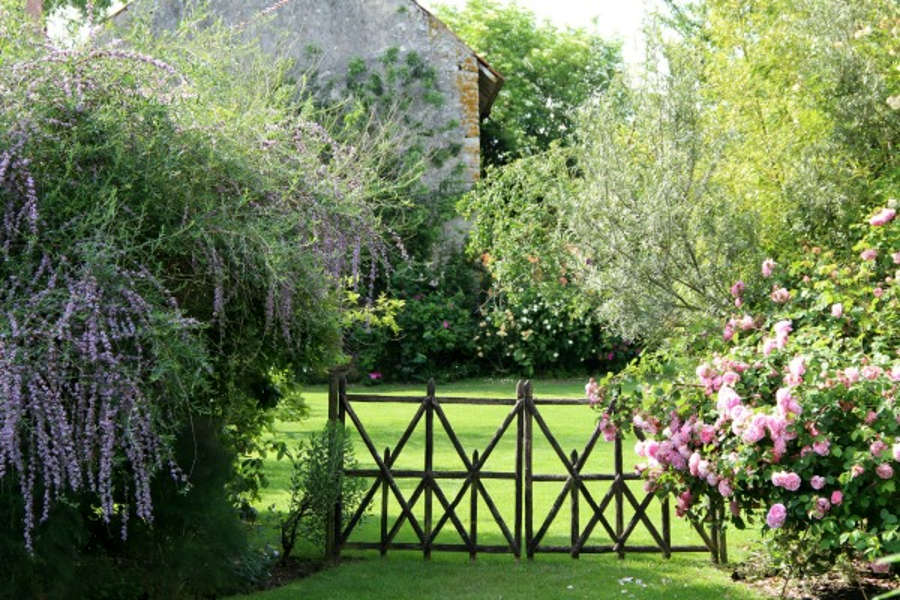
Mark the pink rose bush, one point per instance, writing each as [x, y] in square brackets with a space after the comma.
[795, 418]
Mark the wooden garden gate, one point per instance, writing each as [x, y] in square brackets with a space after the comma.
[525, 411]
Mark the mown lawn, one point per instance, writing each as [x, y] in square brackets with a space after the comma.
[406, 575]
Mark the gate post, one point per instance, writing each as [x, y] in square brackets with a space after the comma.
[429, 459]
[619, 483]
[528, 407]
[520, 438]
[333, 522]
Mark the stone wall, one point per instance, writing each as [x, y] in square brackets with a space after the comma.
[327, 35]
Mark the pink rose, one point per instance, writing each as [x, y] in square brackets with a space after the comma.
[730, 378]
[896, 258]
[869, 254]
[780, 295]
[822, 447]
[877, 448]
[882, 217]
[776, 516]
[817, 482]
[884, 470]
[837, 497]
[725, 488]
[786, 479]
[768, 266]
[894, 373]
[822, 507]
[737, 289]
[727, 399]
[738, 302]
[895, 449]
[871, 372]
[769, 345]
[683, 503]
[746, 323]
[797, 366]
[878, 292]
[856, 471]
[851, 374]
[783, 328]
[727, 333]
[708, 434]
[786, 403]
[837, 310]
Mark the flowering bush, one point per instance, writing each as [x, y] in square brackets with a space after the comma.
[173, 227]
[796, 418]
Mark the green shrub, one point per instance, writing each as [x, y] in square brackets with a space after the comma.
[317, 484]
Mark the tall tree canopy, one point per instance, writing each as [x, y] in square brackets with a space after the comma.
[549, 72]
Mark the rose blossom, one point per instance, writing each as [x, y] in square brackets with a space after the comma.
[896, 258]
[768, 266]
[896, 451]
[869, 254]
[882, 217]
[817, 482]
[780, 295]
[786, 479]
[871, 372]
[837, 497]
[884, 470]
[856, 471]
[725, 488]
[877, 448]
[822, 507]
[737, 289]
[837, 310]
[821, 447]
[776, 516]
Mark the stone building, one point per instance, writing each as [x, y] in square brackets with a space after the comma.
[333, 37]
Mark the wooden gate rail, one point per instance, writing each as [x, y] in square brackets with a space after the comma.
[526, 413]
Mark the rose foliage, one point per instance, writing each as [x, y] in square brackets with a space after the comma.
[795, 419]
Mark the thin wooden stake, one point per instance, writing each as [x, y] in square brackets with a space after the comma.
[529, 473]
[520, 435]
[473, 508]
[429, 466]
[384, 506]
[666, 528]
[619, 483]
[576, 528]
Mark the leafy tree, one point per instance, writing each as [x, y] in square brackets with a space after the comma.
[549, 72]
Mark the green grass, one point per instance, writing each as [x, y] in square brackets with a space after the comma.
[405, 574]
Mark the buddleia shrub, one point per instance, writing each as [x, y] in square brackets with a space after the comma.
[175, 225]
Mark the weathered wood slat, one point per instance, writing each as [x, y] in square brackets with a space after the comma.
[429, 463]
[525, 412]
[418, 400]
[384, 507]
[384, 471]
[450, 512]
[367, 498]
[528, 408]
[520, 434]
[619, 486]
[575, 529]
[642, 514]
[452, 435]
[473, 511]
